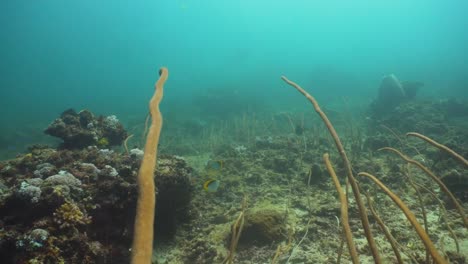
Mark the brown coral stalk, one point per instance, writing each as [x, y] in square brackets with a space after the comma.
[444, 215]
[411, 218]
[344, 210]
[434, 178]
[125, 143]
[145, 129]
[142, 247]
[236, 232]
[347, 164]
[440, 146]
[421, 204]
[388, 235]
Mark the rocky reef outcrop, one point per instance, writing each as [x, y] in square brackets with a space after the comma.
[392, 92]
[82, 129]
[77, 204]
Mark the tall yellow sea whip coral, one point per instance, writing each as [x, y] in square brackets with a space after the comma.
[142, 247]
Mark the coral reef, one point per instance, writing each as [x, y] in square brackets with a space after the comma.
[79, 130]
[78, 205]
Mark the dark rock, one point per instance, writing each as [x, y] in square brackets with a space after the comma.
[456, 108]
[79, 130]
[263, 227]
[411, 88]
[392, 92]
[173, 195]
[457, 183]
[86, 118]
[316, 175]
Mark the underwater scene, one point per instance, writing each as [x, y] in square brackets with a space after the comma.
[248, 131]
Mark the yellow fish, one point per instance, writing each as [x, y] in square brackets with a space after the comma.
[211, 185]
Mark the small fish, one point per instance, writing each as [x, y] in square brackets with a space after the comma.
[211, 185]
[28, 156]
[212, 167]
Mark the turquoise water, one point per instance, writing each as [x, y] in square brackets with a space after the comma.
[104, 55]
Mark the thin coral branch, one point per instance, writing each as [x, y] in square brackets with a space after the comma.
[125, 143]
[388, 235]
[421, 204]
[344, 210]
[444, 215]
[236, 232]
[411, 218]
[434, 178]
[347, 164]
[440, 146]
